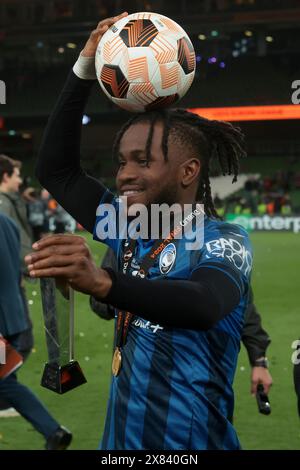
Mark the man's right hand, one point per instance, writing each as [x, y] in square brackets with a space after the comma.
[95, 36]
[260, 375]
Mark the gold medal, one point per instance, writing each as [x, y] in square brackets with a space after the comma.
[116, 362]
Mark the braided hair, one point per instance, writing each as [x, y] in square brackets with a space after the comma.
[209, 140]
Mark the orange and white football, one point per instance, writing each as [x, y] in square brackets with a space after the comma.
[145, 61]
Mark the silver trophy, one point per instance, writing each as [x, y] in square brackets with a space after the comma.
[62, 373]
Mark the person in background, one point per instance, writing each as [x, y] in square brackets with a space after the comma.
[13, 322]
[256, 341]
[13, 205]
[37, 216]
[296, 374]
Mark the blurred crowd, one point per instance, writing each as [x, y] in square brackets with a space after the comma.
[45, 215]
[25, 216]
[267, 195]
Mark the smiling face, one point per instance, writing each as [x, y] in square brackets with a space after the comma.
[154, 182]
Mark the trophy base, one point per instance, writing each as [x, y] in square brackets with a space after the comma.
[61, 379]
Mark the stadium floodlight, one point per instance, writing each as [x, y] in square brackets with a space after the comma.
[86, 119]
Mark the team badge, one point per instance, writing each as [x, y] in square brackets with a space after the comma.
[167, 258]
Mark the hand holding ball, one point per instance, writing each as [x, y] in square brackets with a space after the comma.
[145, 61]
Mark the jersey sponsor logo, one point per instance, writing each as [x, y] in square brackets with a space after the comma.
[138, 273]
[135, 264]
[231, 250]
[127, 255]
[167, 258]
[146, 325]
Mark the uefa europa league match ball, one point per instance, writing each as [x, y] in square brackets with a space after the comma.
[145, 61]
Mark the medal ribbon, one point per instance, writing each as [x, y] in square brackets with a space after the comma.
[124, 318]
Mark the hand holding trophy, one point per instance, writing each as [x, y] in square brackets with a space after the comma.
[64, 263]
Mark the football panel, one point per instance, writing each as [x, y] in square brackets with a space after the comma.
[186, 55]
[164, 48]
[185, 82]
[138, 64]
[168, 24]
[138, 33]
[161, 22]
[142, 15]
[142, 93]
[131, 106]
[113, 81]
[162, 102]
[111, 51]
[167, 79]
[103, 88]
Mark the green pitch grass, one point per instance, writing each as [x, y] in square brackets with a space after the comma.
[276, 288]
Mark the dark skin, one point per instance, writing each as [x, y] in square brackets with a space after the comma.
[158, 181]
[68, 257]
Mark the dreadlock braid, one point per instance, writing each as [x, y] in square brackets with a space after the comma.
[153, 119]
[120, 134]
[209, 140]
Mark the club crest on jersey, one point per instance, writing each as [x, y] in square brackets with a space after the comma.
[167, 258]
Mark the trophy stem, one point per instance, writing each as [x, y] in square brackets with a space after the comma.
[62, 373]
[72, 330]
